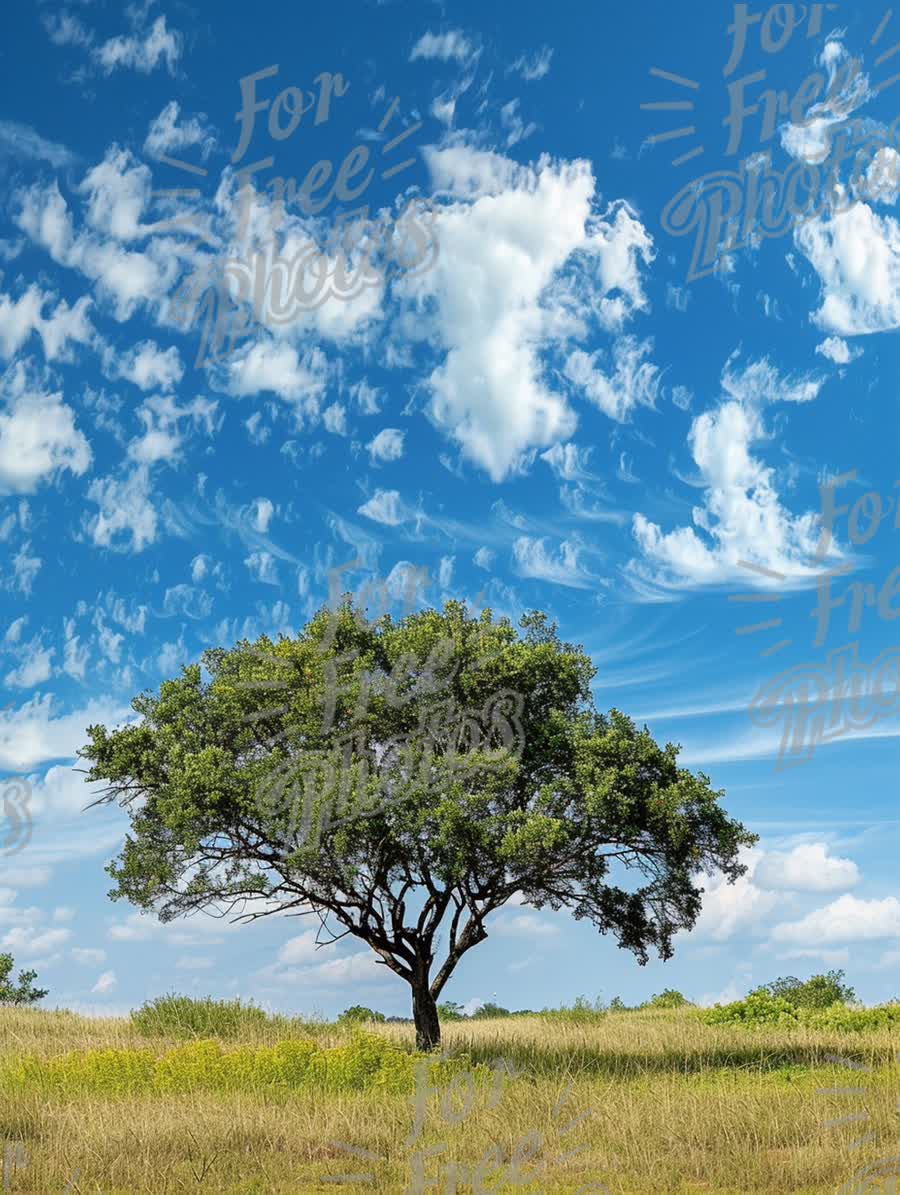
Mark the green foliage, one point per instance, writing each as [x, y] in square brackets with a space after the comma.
[369, 760]
[358, 1014]
[763, 1010]
[581, 1011]
[366, 1062]
[184, 1016]
[669, 998]
[451, 1011]
[23, 990]
[489, 1010]
[820, 991]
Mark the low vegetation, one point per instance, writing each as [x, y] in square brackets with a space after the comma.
[202, 1095]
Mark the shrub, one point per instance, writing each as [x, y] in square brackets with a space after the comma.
[667, 999]
[183, 1016]
[820, 991]
[451, 1011]
[761, 1009]
[490, 1010]
[358, 1013]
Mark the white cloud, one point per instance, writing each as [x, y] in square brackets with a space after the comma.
[386, 446]
[742, 518]
[835, 350]
[38, 436]
[19, 318]
[524, 925]
[301, 949]
[263, 567]
[143, 50]
[31, 943]
[147, 366]
[105, 983]
[167, 134]
[24, 142]
[263, 515]
[443, 46]
[543, 265]
[125, 511]
[277, 367]
[806, 868]
[533, 560]
[856, 254]
[88, 955]
[385, 506]
[632, 382]
[847, 919]
[532, 66]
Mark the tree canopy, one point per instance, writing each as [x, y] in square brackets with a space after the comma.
[401, 780]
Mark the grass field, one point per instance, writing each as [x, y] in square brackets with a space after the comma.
[630, 1102]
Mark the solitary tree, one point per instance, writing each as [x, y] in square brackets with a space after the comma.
[399, 780]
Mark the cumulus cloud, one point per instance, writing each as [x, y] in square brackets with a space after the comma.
[126, 519]
[856, 254]
[742, 517]
[386, 446]
[146, 365]
[807, 868]
[525, 263]
[38, 436]
[385, 506]
[847, 919]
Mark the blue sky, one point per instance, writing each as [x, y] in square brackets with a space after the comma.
[553, 414]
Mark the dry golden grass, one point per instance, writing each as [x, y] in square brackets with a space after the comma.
[640, 1102]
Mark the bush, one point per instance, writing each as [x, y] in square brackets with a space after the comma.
[451, 1011]
[667, 999]
[357, 1014]
[490, 1010]
[761, 1009]
[820, 991]
[183, 1016]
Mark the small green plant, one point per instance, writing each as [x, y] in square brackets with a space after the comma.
[22, 991]
[357, 1014]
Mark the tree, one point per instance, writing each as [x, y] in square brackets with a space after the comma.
[22, 991]
[402, 780]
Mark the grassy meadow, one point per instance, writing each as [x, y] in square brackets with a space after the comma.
[631, 1102]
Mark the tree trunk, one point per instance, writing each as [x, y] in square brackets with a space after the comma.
[425, 1015]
